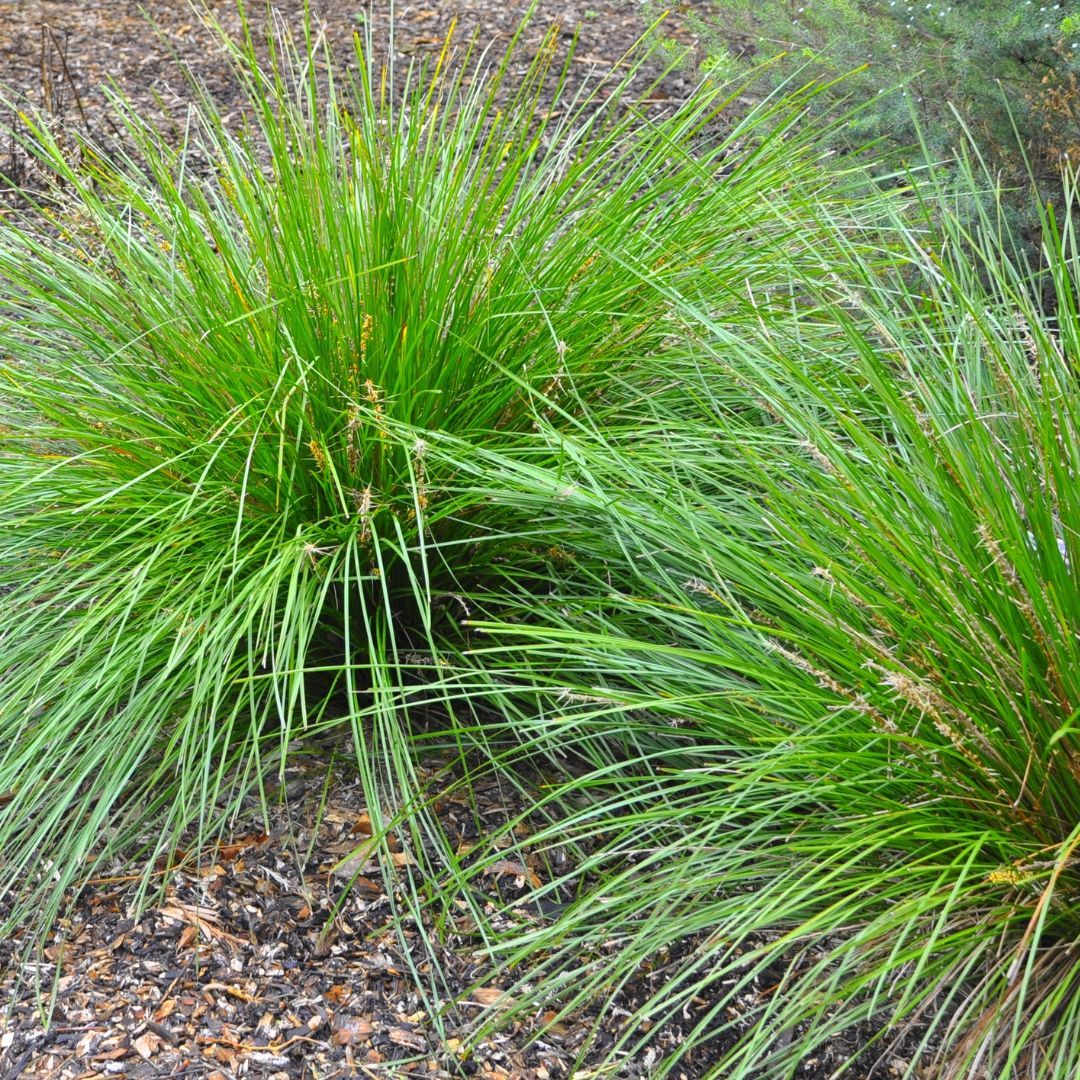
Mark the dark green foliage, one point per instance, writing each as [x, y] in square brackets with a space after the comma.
[1008, 67]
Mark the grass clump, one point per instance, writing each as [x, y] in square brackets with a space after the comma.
[221, 364]
[815, 635]
[756, 529]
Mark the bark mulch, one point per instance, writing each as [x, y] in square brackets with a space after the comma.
[59, 54]
[283, 954]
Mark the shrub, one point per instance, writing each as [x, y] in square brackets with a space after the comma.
[221, 365]
[1009, 67]
[814, 631]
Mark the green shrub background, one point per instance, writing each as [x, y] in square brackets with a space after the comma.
[920, 73]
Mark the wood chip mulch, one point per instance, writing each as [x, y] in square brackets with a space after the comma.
[59, 54]
[285, 953]
[258, 961]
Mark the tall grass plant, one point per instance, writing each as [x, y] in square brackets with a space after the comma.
[222, 364]
[807, 662]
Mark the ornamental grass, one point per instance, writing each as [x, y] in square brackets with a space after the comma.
[808, 669]
[222, 360]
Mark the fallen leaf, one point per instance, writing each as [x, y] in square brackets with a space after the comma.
[366, 887]
[356, 860]
[491, 995]
[351, 1030]
[230, 851]
[516, 869]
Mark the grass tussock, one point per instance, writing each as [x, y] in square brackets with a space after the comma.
[745, 510]
[221, 364]
[814, 632]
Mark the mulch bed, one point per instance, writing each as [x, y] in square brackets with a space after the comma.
[59, 54]
[284, 954]
[250, 963]
[259, 962]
